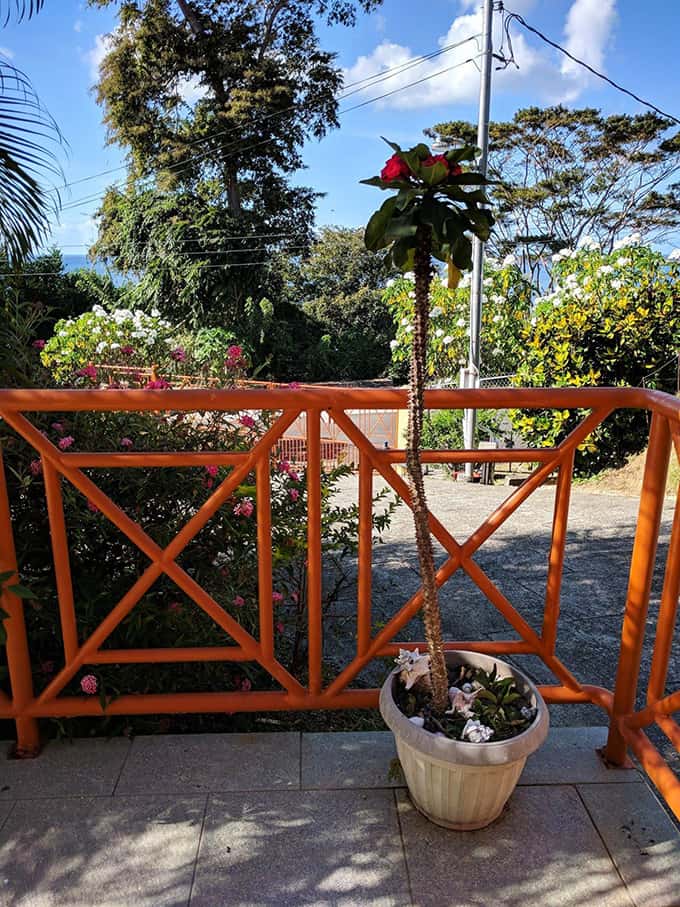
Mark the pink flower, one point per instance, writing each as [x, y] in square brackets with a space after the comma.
[126, 442]
[159, 384]
[294, 385]
[65, 443]
[179, 354]
[207, 482]
[246, 685]
[92, 506]
[279, 626]
[239, 601]
[88, 372]
[127, 350]
[294, 494]
[235, 352]
[277, 598]
[294, 476]
[88, 684]
[295, 596]
[283, 466]
[212, 471]
[244, 508]
[35, 467]
[175, 606]
[247, 421]
[58, 427]
[39, 345]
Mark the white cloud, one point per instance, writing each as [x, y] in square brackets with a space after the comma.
[6, 52]
[588, 30]
[94, 56]
[81, 233]
[78, 25]
[588, 25]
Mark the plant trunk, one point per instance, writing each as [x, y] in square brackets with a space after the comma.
[431, 614]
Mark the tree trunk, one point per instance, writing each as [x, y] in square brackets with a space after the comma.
[431, 614]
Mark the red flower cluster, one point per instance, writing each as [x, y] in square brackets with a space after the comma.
[235, 358]
[396, 168]
[88, 372]
[160, 384]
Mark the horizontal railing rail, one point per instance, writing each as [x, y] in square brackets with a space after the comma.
[315, 690]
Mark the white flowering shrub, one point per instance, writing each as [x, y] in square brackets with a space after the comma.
[120, 337]
[505, 313]
[611, 319]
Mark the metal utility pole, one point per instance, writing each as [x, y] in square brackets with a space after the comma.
[470, 375]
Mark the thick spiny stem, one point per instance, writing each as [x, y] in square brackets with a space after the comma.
[431, 614]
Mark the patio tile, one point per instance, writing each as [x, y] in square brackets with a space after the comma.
[348, 760]
[112, 852]
[87, 768]
[201, 763]
[642, 840]
[568, 757]
[542, 852]
[322, 848]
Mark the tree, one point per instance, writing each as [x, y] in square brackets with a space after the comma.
[214, 99]
[340, 286]
[567, 174]
[339, 264]
[25, 161]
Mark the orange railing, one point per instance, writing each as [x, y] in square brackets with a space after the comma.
[627, 725]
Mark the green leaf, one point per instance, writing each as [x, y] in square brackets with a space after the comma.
[480, 224]
[386, 184]
[6, 575]
[461, 253]
[399, 227]
[422, 151]
[393, 145]
[403, 254]
[20, 591]
[466, 153]
[470, 179]
[374, 235]
[434, 174]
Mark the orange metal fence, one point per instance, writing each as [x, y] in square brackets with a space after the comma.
[627, 725]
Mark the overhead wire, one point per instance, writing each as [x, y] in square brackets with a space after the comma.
[364, 84]
[515, 17]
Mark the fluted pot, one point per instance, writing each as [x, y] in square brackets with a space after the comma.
[458, 784]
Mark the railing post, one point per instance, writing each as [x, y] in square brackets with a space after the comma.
[18, 657]
[639, 583]
[314, 564]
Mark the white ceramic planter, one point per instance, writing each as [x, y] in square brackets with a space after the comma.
[455, 783]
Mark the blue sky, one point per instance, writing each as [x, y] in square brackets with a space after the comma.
[635, 44]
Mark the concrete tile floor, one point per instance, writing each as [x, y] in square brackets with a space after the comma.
[181, 820]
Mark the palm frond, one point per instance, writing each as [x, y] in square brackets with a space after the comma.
[26, 133]
[23, 9]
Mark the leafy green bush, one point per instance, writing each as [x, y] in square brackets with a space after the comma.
[223, 557]
[612, 320]
[506, 311]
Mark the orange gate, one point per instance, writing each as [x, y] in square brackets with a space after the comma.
[627, 726]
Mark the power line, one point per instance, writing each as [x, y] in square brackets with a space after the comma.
[375, 78]
[510, 17]
[225, 155]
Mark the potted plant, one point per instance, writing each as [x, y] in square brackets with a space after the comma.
[464, 723]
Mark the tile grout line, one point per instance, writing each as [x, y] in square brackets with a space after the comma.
[612, 860]
[9, 813]
[198, 849]
[122, 767]
[403, 847]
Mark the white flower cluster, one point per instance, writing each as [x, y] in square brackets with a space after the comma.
[634, 239]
